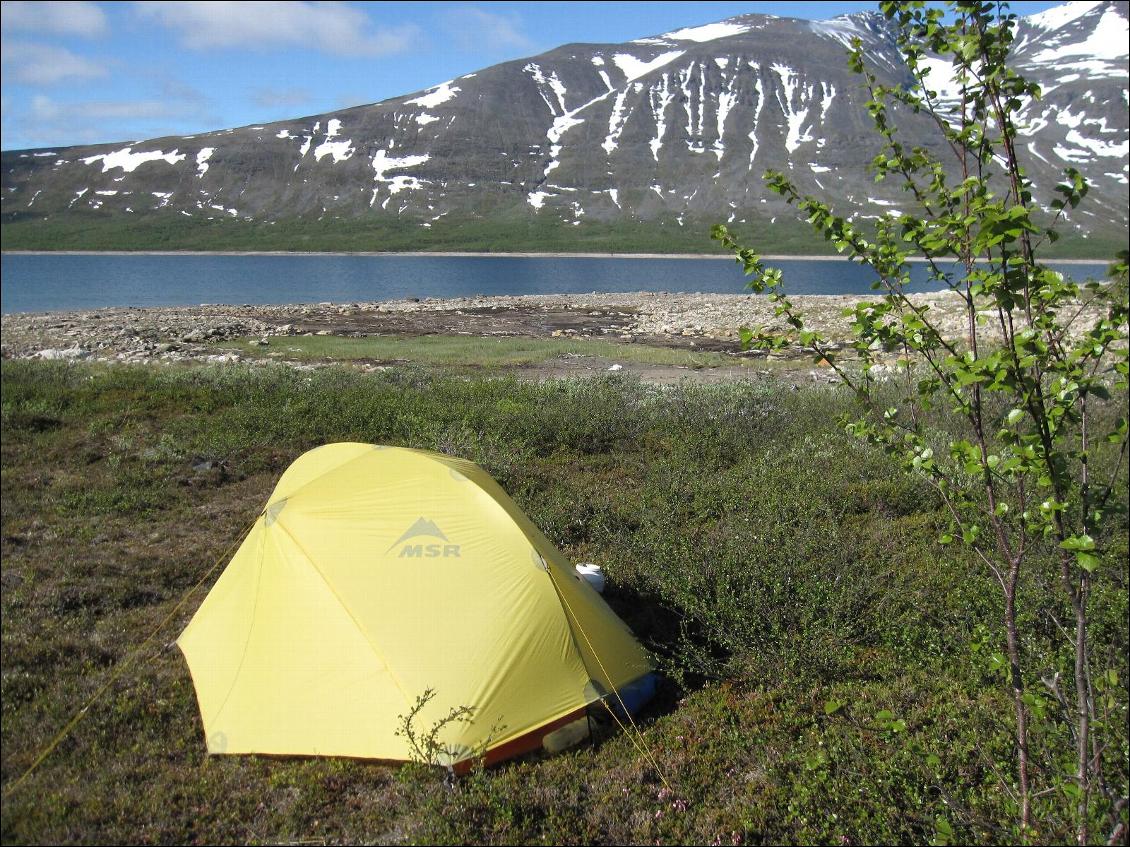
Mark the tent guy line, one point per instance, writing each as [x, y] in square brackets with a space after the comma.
[126, 663]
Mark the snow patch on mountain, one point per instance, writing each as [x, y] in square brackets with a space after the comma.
[436, 95]
[618, 119]
[634, 68]
[382, 163]
[727, 99]
[659, 98]
[1061, 16]
[693, 106]
[562, 124]
[938, 76]
[1107, 41]
[553, 82]
[842, 29]
[202, 161]
[340, 150]
[794, 117]
[129, 161]
[1068, 154]
[760, 92]
[1099, 147]
[708, 32]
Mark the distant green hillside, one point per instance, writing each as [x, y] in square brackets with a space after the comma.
[176, 232]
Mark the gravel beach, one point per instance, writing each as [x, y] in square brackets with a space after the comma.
[708, 322]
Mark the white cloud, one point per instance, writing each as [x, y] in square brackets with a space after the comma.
[45, 109]
[274, 98]
[58, 17]
[47, 121]
[173, 88]
[329, 27]
[45, 64]
[477, 30]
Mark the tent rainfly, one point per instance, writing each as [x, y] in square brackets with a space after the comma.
[376, 574]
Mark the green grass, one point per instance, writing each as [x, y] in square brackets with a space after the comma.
[474, 353]
[171, 231]
[770, 563]
[175, 232]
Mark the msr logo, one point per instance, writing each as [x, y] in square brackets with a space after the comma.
[427, 528]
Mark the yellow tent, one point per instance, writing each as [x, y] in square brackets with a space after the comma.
[375, 574]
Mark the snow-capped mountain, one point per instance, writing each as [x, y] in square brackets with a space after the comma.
[677, 128]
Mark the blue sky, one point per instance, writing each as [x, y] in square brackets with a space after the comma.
[88, 72]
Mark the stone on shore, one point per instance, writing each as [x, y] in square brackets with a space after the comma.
[701, 321]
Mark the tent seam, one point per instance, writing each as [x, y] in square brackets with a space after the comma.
[346, 609]
[247, 639]
[322, 475]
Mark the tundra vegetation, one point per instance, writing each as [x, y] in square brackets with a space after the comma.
[1020, 469]
[108, 231]
[773, 563]
[174, 232]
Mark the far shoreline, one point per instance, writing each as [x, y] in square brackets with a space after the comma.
[781, 257]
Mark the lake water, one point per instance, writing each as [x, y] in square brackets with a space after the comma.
[50, 282]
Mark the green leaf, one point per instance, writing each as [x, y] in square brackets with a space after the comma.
[1078, 542]
[832, 706]
[943, 831]
[1087, 561]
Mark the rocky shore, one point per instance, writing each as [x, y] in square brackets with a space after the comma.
[188, 332]
[198, 333]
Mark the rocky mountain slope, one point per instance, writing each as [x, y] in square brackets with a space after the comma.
[669, 131]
